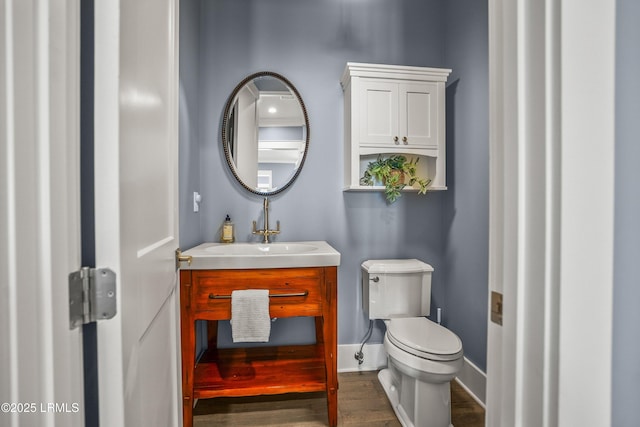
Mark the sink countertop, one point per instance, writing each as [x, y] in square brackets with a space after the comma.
[223, 256]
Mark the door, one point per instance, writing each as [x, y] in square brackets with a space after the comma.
[136, 158]
[399, 114]
[379, 113]
[246, 137]
[418, 114]
[551, 257]
[41, 381]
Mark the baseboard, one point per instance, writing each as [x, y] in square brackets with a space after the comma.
[474, 381]
[471, 378]
[375, 357]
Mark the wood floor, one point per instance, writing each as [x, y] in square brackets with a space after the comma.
[361, 402]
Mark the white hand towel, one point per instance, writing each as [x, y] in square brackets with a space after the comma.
[250, 320]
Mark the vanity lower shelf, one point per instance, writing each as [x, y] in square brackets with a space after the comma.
[255, 371]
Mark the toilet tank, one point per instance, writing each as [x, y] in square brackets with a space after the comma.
[396, 288]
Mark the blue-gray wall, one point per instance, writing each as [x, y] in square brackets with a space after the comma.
[626, 319]
[466, 202]
[309, 42]
[189, 124]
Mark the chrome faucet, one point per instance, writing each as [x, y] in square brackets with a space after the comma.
[265, 230]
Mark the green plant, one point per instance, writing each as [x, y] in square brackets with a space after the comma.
[392, 172]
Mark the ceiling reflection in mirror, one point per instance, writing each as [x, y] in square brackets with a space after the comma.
[265, 133]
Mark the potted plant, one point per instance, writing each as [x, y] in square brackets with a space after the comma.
[394, 172]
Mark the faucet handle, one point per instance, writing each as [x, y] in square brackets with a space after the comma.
[272, 232]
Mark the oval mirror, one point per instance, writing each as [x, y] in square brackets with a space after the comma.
[265, 133]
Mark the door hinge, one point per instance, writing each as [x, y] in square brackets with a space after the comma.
[92, 295]
[496, 307]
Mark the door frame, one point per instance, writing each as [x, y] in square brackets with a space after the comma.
[40, 214]
[106, 136]
[551, 197]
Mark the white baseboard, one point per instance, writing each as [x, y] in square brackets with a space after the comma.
[471, 378]
[375, 358]
[474, 381]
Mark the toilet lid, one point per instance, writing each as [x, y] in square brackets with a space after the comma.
[424, 338]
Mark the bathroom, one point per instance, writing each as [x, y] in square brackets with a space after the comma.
[439, 228]
[310, 43]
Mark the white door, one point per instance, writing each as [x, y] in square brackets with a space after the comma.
[41, 380]
[418, 114]
[379, 120]
[246, 128]
[136, 158]
[551, 212]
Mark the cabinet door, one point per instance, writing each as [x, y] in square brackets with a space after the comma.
[418, 114]
[378, 113]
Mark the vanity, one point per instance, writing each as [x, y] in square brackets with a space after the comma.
[302, 281]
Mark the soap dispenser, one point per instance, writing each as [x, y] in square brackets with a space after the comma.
[227, 235]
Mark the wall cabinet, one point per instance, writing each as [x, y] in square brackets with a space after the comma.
[391, 109]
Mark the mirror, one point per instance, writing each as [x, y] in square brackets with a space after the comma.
[265, 133]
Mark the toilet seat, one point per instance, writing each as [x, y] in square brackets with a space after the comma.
[423, 338]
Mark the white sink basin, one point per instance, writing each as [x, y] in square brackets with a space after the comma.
[218, 256]
[262, 248]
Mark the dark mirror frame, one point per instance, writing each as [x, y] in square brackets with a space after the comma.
[228, 111]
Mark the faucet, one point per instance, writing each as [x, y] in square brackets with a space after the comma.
[265, 230]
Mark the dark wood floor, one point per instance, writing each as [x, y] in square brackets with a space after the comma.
[361, 402]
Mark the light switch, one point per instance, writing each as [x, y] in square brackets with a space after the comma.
[197, 198]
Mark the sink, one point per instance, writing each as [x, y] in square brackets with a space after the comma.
[219, 256]
[265, 249]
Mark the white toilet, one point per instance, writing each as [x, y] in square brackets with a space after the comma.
[423, 357]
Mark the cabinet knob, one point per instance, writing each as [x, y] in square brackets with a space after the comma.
[404, 139]
[395, 139]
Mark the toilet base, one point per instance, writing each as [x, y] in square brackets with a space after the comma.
[416, 403]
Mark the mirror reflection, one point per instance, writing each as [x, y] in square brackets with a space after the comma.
[265, 133]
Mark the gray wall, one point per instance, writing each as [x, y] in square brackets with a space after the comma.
[466, 202]
[189, 125]
[626, 345]
[309, 42]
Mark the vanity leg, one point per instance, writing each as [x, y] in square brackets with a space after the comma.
[188, 343]
[330, 340]
[187, 412]
[212, 334]
[319, 331]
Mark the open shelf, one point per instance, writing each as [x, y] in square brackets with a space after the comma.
[381, 188]
[253, 371]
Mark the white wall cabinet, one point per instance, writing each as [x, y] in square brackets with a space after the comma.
[391, 109]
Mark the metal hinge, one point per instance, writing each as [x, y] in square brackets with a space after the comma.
[92, 295]
[496, 307]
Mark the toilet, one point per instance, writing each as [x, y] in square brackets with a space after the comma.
[423, 356]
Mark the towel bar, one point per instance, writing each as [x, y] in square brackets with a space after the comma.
[296, 294]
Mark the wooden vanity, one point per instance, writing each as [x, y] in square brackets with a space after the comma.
[205, 294]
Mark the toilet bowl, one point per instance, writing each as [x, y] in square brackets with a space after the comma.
[423, 356]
